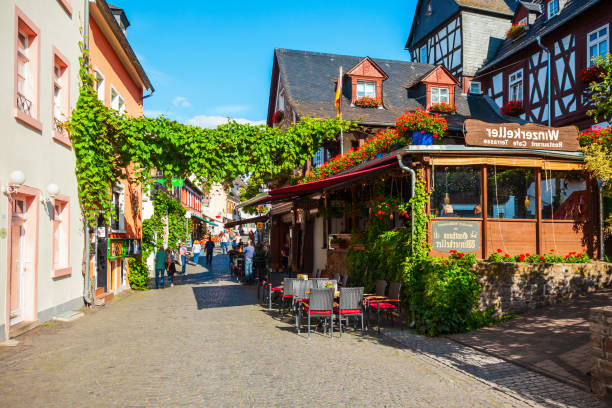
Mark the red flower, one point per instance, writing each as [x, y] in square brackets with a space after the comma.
[507, 256]
[461, 255]
[453, 251]
[499, 250]
[542, 258]
[521, 258]
[527, 254]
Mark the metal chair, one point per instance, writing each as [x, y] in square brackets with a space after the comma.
[315, 282]
[320, 283]
[321, 305]
[317, 273]
[388, 304]
[273, 286]
[351, 304]
[300, 297]
[286, 293]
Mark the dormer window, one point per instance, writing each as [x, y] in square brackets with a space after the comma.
[475, 88]
[553, 8]
[366, 88]
[439, 95]
[523, 21]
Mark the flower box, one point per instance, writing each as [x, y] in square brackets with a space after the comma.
[591, 74]
[443, 107]
[420, 137]
[516, 30]
[278, 116]
[368, 102]
[513, 108]
[421, 126]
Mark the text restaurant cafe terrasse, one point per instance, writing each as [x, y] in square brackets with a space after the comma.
[521, 188]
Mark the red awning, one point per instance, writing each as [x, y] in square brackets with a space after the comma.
[314, 186]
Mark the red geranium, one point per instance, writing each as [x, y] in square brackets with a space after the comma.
[513, 108]
[499, 251]
[591, 74]
[443, 107]
[516, 30]
[278, 116]
[368, 102]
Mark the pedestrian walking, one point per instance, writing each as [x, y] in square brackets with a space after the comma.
[249, 252]
[183, 254]
[170, 267]
[224, 241]
[209, 246]
[197, 248]
[160, 266]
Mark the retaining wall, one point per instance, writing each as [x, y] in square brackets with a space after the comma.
[601, 342]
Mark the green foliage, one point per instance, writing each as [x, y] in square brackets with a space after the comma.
[601, 90]
[138, 274]
[166, 211]
[443, 294]
[421, 218]
[107, 143]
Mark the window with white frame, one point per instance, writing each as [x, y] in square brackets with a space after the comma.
[423, 56]
[24, 79]
[439, 95]
[553, 8]
[515, 86]
[117, 205]
[117, 101]
[99, 85]
[475, 88]
[60, 235]
[598, 43]
[366, 88]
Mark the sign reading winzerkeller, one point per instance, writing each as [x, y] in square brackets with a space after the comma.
[520, 136]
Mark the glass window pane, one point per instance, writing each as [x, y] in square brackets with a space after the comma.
[603, 31]
[510, 192]
[564, 195]
[603, 47]
[593, 37]
[456, 192]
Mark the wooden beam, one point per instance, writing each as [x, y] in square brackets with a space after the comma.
[538, 207]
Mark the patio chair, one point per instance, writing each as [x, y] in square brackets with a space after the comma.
[321, 305]
[336, 276]
[273, 286]
[392, 303]
[315, 282]
[300, 287]
[343, 280]
[317, 273]
[286, 293]
[351, 304]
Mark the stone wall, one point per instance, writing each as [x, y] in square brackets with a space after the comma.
[518, 287]
[601, 342]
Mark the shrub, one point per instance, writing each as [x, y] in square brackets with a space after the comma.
[443, 294]
[516, 30]
[138, 274]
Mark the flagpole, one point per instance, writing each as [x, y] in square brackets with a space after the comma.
[340, 108]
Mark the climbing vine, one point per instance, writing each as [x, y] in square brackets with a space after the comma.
[110, 146]
[167, 213]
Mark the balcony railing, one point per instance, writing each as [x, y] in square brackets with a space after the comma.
[58, 126]
[24, 104]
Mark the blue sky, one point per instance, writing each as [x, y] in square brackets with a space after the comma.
[210, 60]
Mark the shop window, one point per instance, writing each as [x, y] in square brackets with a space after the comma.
[597, 43]
[456, 192]
[564, 195]
[61, 238]
[510, 192]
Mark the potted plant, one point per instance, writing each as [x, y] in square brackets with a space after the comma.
[338, 242]
[443, 107]
[513, 108]
[516, 30]
[591, 74]
[278, 116]
[422, 127]
[368, 102]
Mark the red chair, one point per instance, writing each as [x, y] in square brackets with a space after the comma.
[351, 304]
[321, 305]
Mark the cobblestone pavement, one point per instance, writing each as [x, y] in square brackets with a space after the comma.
[528, 386]
[204, 343]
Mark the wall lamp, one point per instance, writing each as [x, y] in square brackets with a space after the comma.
[16, 179]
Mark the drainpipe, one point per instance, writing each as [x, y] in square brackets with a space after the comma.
[412, 187]
[601, 221]
[550, 106]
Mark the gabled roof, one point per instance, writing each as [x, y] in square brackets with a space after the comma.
[531, 6]
[440, 75]
[442, 10]
[309, 82]
[365, 63]
[540, 27]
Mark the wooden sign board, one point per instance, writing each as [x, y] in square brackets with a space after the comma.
[520, 136]
[462, 236]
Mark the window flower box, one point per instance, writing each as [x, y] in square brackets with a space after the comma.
[516, 30]
[591, 74]
[513, 108]
[278, 116]
[368, 102]
[443, 107]
[421, 127]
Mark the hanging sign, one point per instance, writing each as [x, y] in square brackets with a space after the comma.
[260, 226]
[520, 136]
[462, 236]
[176, 182]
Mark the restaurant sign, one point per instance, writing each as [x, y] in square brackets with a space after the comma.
[462, 236]
[520, 136]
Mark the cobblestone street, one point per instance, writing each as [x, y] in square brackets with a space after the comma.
[205, 342]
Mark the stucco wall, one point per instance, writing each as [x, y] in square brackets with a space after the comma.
[477, 29]
[319, 253]
[42, 160]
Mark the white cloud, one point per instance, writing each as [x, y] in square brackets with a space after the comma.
[181, 101]
[205, 121]
[229, 109]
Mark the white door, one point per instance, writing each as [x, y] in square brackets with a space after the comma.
[18, 268]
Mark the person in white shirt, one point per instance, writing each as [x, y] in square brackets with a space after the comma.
[224, 241]
[197, 248]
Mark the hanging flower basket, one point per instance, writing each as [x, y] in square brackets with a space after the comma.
[278, 116]
[443, 107]
[516, 30]
[592, 74]
[421, 127]
[367, 102]
[513, 108]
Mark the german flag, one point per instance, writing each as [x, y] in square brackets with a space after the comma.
[338, 94]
